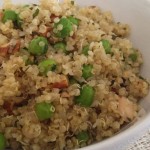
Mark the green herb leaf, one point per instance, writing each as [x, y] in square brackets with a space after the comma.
[86, 96]
[133, 57]
[83, 137]
[85, 50]
[74, 20]
[72, 2]
[36, 13]
[106, 46]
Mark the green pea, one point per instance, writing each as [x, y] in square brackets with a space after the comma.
[36, 13]
[74, 20]
[133, 57]
[83, 137]
[87, 71]
[106, 46]
[44, 110]
[47, 65]
[38, 46]
[85, 50]
[12, 15]
[2, 142]
[61, 46]
[9, 15]
[86, 96]
[66, 28]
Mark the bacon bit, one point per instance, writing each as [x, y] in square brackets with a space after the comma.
[9, 107]
[61, 85]
[65, 95]
[7, 49]
[17, 47]
[4, 50]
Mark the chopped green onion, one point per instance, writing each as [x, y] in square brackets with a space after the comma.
[83, 137]
[60, 46]
[87, 71]
[18, 22]
[133, 57]
[36, 13]
[74, 20]
[106, 46]
[2, 142]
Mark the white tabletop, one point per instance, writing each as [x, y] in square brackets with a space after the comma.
[142, 143]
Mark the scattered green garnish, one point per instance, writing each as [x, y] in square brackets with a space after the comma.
[87, 71]
[2, 142]
[47, 65]
[85, 50]
[83, 137]
[133, 56]
[74, 20]
[60, 46]
[36, 13]
[106, 46]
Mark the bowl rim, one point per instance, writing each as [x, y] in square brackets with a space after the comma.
[127, 136]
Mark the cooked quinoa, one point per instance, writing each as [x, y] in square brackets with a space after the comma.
[69, 76]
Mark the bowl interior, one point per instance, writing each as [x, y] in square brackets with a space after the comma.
[137, 15]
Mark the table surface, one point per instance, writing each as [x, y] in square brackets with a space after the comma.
[143, 143]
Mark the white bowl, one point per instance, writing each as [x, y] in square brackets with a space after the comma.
[137, 15]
